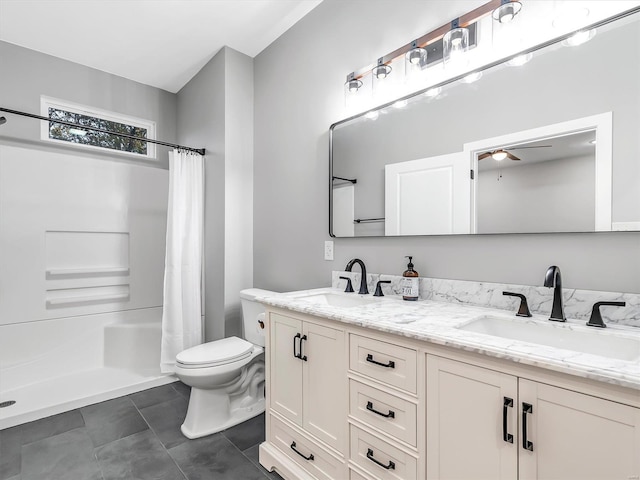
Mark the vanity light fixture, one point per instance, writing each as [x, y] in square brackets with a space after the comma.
[455, 44]
[447, 43]
[352, 85]
[381, 70]
[506, 11]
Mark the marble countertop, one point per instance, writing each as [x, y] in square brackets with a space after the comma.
[440, 322]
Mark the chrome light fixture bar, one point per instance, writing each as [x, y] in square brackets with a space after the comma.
[413, 51]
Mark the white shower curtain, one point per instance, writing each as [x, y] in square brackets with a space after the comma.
[181, 311]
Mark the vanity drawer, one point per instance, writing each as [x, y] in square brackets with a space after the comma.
[313, 458]
[384, 362]
[393, 415]
[381, 459]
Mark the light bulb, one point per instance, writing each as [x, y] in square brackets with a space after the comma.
[381, 71]
[499, 155]
[400, 104]
[506, 12]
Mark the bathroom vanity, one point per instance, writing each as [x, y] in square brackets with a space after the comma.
[360, 387]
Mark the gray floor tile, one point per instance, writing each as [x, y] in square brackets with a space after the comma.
[68, 456]
[112, 420]
[165, 420]
[182, 389]
[153, 396]
[12, 439]
[17, 477]
[253, 454]
[247, 434]
[214, 457]
[137, 457]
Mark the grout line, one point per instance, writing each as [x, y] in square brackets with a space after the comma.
[156, 435]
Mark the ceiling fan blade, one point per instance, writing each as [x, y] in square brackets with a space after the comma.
[484, 155]
[510, 156]
[533, 146]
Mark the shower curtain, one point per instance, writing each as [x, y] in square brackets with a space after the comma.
[181, 310]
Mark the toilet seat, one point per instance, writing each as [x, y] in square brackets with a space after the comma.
[211, 354]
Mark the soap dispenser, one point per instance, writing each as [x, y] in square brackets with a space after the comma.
[410, 285]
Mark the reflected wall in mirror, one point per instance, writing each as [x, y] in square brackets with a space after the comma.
[408, 170]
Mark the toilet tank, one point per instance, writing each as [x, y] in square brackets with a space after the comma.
[250, 311]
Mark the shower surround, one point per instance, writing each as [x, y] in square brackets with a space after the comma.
[81, 272]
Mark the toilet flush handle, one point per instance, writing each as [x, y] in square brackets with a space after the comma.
[261, 321]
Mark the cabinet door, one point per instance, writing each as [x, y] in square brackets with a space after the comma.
[286, 370]
[465, 422]
[325, 384]
[577, 436]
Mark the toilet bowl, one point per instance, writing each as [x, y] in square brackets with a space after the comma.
[226, 376]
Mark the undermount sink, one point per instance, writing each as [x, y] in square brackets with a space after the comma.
[338, 300]
[598, 342]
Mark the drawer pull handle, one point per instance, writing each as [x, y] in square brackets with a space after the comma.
[526, 408]
[390, 466]
[297, 355]
[391, 413]
[391, 363]
[293, 447]
[506, 436]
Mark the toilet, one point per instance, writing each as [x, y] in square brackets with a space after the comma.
[226, 376]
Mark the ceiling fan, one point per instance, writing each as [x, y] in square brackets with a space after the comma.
[502, 153]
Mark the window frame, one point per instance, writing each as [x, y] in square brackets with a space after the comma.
[150, 126]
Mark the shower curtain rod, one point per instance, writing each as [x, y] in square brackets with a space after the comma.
[84, 127]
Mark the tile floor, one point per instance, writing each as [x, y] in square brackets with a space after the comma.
[129, 438]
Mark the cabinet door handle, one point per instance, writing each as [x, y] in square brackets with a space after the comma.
[302, 357]
[390, 466]
[293, 447]
[506, 436]
[297, 355]
[526, 408]
[391, 363]
[391, 413]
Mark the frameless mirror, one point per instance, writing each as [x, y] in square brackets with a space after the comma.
[549, 146]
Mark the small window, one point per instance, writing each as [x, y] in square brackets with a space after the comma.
[108, 121]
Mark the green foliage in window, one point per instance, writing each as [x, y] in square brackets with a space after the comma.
[67, 133]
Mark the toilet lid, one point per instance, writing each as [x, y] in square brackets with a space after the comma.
[226, 350]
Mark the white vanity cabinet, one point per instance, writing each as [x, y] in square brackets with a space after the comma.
[485, 424]
[346, 402]
[306, 396]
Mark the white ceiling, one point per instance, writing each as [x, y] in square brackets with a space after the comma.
[162, 43]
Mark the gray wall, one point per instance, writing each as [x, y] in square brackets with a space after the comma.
[27, 74]
[215, 111]
[552, 196]
[299, 94]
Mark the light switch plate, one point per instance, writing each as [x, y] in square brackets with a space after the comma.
[328, 250]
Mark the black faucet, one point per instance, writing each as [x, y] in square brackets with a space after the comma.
[363, 281]
[553, 279]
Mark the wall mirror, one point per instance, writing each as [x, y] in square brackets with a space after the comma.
[549, 146]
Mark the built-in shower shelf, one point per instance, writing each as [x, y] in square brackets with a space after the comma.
[87, 299]
[67, 272]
